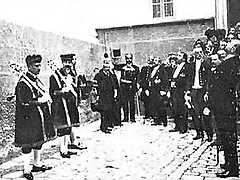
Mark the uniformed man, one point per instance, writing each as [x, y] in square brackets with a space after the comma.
[144, 86]
[33, 125]
[65, 114]
[179, 86]
[222, 95]
[158, 92]
[128, 86]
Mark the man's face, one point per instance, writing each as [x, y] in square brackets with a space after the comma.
[156, 61]
[35, 68]
[215, 60]
[198, 53]
[67, 65]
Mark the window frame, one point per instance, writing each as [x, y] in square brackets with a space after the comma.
[162, 11]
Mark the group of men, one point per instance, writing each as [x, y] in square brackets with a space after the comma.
[202, 85]
[43, 114]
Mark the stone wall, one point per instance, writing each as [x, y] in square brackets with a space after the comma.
[158, 39]
[16, 42]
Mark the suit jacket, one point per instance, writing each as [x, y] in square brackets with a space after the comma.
[222, 87]
[105, 89]
[182, 80]
[203, 71]
[159, 81]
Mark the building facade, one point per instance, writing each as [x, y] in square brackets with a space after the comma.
[159, 27]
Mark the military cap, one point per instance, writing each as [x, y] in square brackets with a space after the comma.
[67, 57]
[35, 58]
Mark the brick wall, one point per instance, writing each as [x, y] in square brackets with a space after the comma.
[158, 39]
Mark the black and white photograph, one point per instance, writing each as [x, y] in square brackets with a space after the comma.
[119, 89]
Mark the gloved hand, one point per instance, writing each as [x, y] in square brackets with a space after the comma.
[147, 92]
[162, 93]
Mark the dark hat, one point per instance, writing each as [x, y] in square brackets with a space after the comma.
[67, 57]
[105, 55]
[116, 53]
[209, 33]
[35, 58]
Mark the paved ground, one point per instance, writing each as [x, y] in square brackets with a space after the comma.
[132, 152]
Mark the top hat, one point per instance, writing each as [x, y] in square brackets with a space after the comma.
[116, 53]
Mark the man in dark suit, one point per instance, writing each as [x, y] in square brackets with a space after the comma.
[144, 86]
[33, 124]
[178, 88]
[197, 80]
[223, 87]
[107, 92]
[158, 92]
[128, 86]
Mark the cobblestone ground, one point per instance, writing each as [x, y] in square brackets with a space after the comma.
[131, 152]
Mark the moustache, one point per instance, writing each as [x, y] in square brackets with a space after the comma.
[68, 66]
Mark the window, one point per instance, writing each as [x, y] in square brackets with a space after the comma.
[162, 8]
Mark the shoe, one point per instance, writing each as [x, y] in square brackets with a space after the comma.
[73, 146]
[224, 166]
[227, 173]
[125, 120]
[72, 153]
[183, 131]
[42, 168]
[28, 176]
[107, 131]
[174, 130]
[132, 120]
[65, 155]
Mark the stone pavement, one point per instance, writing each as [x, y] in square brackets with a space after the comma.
[131, 152]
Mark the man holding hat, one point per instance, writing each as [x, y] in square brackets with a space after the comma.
[33, 126]
[65, 114]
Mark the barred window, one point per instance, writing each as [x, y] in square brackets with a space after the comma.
[162, 8]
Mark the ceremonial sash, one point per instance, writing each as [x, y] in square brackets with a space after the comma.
[178, 69]
[63, 100]
[32, 85]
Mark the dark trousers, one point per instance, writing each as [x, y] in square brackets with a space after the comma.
[106, 120]
[128, 102]
[197, 101]
[147, 106]
[117, 113]
[158, 107]
[179, 109]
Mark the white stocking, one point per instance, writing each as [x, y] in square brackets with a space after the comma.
[26, 163]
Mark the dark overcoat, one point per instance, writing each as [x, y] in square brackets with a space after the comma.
[33, 125]
[64, 106]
